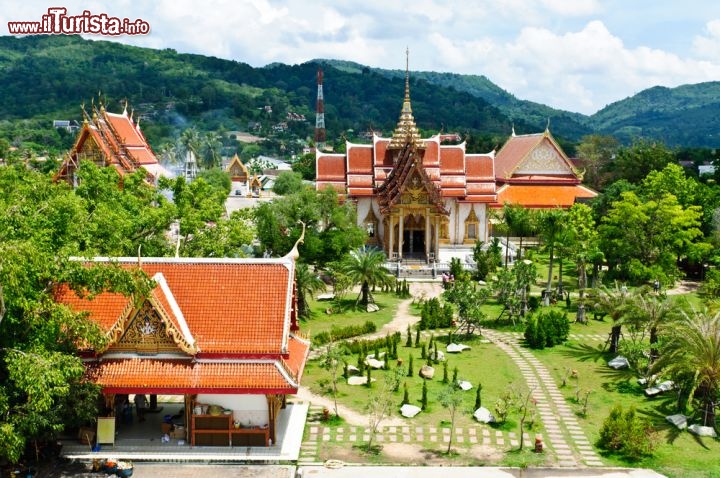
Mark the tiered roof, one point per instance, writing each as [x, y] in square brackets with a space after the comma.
[228, 323]
[111, 139]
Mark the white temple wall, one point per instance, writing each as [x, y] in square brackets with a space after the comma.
[247, 409]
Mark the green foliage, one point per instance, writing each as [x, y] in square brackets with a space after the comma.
[406, 395]
[424, 398]
[370, 344]
[487, 257]
[445, 373]
[410, 371]
[365, 267]
[287, 182]
[339, 333]
[627, 434]
[547, 329]
[433, 315]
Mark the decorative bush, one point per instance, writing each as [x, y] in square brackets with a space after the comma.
[337, 333]
[626, 433]
[547, 329]
[435, 316]
[364, 345]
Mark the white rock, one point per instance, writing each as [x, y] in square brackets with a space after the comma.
[678, 420]
[372, 356]
[358, 380]
[372, 308]
[702, 431]
[409, 411]
[619, 362]
[372, 363]
[353, 370]
[440, 355]
[427, 371]
[464, 385]
[483, 415]
[659, 388]
[456, 348]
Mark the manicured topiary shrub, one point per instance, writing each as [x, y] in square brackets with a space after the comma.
[546, 329]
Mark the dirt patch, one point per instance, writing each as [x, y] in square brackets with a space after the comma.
[406, 453]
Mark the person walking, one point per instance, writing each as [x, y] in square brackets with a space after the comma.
[140, 406]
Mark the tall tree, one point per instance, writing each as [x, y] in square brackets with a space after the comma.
[43, 387]
[597, 152]
[551, 225]
[641, 237]
[365, 267]
[616, 303]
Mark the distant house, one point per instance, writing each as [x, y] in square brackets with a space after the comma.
[68, 125]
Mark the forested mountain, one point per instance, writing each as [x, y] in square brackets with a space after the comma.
[49, 77]
[688, 115]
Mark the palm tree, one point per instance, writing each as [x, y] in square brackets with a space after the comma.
[365, 266]
[692, 355]
[306, 284]
[653, 312]
[615, 303]
[551, 225]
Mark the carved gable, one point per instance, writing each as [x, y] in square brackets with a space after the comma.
[145, 332]
[544, 159]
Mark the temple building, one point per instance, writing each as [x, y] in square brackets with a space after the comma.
[425, 201]
[110, 139]
[219, 332]
[239, 176]
[533, 171]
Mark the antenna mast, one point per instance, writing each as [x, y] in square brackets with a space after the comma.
[320, 113]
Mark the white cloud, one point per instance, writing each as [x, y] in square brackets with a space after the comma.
[708, 46]
[573, 8]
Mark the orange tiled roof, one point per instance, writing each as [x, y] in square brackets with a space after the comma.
[117, 140]
[542, 196]
[183, 376]
[230, 306]
[365, 168]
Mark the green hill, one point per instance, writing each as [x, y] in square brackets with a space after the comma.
[49, 77]
[688, 115]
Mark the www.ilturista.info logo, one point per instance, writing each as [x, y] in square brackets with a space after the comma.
[57, 21]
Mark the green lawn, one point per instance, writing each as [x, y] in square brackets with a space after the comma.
[678, 454]
[344, 313]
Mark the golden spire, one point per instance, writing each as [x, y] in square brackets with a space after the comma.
[406, 130]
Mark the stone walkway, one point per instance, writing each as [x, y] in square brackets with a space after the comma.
[318, 434]
[564, 435]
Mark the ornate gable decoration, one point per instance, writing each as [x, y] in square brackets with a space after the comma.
[147, 329]
[237, 170]
[408, 184]
[544, 158]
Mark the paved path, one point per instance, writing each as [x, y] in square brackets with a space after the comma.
[563, 433]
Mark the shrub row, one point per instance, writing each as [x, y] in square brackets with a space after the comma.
[338, 333]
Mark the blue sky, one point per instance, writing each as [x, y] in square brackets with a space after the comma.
[577, 55]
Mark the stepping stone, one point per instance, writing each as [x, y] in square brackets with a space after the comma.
[353, 437]
[433, 438]
[473, 439]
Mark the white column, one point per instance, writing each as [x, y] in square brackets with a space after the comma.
[391, 243]
[427, 233]
[400, 234]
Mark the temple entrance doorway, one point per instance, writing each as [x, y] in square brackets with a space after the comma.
[414, 244]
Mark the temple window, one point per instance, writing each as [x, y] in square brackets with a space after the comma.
[472, 226]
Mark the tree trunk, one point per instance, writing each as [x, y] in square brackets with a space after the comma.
[452, 428]
[653, 344]
[615, 338]
[548, 288]
[365, 293]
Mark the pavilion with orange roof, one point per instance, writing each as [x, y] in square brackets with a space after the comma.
[209, 331]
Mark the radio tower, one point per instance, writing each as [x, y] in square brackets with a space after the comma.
[320, 114]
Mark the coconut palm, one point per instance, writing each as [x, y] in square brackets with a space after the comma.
[306, 283]
[652, 312]
[691, 356]
[365, 266]
[615, 303]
